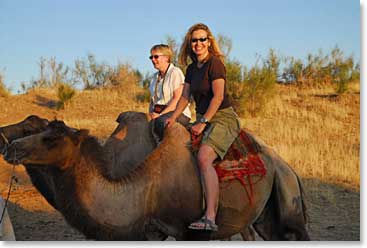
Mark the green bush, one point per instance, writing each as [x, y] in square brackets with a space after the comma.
[250, 91]
[258, 89]
[64, 93]
[321, 69]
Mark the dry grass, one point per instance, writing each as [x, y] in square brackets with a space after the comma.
[4, 92]
[315, 131]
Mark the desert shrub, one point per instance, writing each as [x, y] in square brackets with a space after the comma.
[144, 94]
[250, 94]
[293, 73]
[342, 70]
[258, 88]
[174, 45]
[65, 93]
[234, 71]
[355, 75]
[51, 73]
[124, 75]
[234, 83]
[313, 73]
[319, 70]
[4, 91]
[92, 74]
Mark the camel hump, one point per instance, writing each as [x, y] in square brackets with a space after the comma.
[126, 117]
[176, 132]
[37, 120]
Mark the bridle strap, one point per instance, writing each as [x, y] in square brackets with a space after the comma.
[13, 178]
[4, 137]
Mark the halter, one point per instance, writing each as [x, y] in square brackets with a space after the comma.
[2, 135]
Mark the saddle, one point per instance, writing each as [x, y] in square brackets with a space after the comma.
[241, 162]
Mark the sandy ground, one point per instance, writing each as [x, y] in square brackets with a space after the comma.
[334, 211]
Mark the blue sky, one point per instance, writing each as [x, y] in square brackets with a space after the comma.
[124, 31]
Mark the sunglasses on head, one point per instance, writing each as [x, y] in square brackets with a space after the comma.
[194, 40]
[155, 56]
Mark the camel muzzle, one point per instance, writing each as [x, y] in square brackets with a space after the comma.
[10, 154]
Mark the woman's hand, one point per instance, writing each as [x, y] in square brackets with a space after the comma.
[154, 115]
[170, 121]
[198, 128]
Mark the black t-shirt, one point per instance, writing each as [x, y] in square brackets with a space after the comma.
[200, 80]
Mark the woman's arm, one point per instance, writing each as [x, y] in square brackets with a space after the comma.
[218, 95]
[173, 102]
[182, 104]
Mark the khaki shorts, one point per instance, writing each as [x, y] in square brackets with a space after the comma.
[223, 130]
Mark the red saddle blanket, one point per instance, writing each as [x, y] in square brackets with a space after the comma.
[241, 162]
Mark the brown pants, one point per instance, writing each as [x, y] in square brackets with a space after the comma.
[159, 123]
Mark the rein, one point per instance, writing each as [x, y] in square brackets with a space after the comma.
[13, 178]
[5, 139]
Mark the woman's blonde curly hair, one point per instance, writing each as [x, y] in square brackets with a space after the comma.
[186, 50]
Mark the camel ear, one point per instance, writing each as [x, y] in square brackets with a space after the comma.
[80, 136]
[45, 121]
[119, 118]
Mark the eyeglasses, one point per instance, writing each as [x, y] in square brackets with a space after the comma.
[155, 56]
[194, 40]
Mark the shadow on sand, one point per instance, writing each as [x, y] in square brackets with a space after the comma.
[45, 102]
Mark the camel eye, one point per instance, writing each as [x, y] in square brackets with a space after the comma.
[28, 132]
[50, 140]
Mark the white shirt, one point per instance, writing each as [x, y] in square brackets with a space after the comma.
[173, 79]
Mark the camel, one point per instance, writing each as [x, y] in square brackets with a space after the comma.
[150, 211]
[134, 145]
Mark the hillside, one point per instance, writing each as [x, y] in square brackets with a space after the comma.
[314, 130]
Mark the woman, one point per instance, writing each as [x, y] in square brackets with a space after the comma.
[165, 89]
[205, 81]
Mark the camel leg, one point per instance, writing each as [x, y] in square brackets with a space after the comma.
[154, 231]
[291, 207]
[283, 217]
[266, 224]
[248, 234]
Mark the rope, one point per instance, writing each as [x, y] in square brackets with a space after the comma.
[241, 162]
[5, 140]
[242, 171]
[4, 137]
[13, 178]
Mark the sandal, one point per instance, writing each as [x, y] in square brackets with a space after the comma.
[204, 224]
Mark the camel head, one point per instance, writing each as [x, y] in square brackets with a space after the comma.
[30, 125]
[58, 145]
